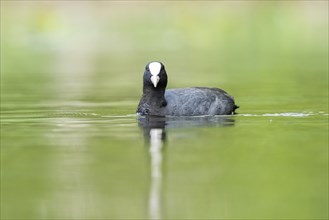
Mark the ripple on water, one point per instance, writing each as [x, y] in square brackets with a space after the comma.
[287, 114]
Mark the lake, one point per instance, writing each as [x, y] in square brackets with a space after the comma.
[73, 148]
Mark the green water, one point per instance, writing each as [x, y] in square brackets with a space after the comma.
[71, 78]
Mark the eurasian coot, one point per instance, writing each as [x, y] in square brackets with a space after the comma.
[158, 101]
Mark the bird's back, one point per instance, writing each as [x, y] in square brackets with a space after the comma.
[198, 101]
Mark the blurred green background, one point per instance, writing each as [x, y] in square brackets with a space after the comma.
[71, 78]
[91, 50]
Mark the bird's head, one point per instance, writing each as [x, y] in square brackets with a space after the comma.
[155, 75]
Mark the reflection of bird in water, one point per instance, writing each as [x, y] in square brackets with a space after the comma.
[156, 173]
[155, 136]
[149, 123]
[199, 121]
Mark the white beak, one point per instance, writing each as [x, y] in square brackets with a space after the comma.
[155, 80]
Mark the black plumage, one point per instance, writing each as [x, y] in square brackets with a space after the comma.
[194, 101]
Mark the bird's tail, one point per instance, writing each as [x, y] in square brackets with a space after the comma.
[235, 107]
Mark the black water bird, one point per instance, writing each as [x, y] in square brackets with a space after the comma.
[194, 101]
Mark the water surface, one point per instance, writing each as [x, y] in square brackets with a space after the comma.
[77, 164]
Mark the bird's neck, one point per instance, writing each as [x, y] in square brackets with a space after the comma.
[154, 95]
[157, 92]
